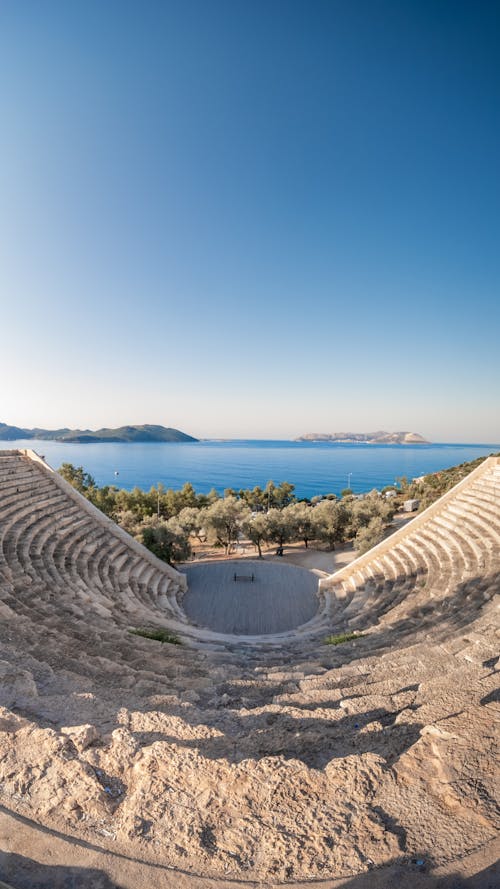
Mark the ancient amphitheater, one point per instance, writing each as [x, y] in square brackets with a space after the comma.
[245, 760]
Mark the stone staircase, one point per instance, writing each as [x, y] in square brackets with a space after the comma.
[71, 579]
[435, 575]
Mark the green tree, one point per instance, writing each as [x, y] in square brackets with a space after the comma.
[130, 523]
[191, 520]
[283, 495]
[167, 540]
[278, 496]
[105, 499]
[187, 496]
[140, 502]
[362, 511]
[223, 521]
[280, 526]
[369, 535]
[331, 517]
[255, 527]
[304, 521]
[255, 499]
[77, 477]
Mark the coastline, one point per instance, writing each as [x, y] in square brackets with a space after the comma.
[313, 468]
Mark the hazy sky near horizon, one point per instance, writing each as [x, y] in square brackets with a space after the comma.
[251, 219]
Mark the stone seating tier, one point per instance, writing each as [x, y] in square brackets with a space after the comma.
[301, 739]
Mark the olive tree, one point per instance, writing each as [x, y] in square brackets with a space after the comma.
[167, 540]
[331, 517]
[223, 521]
[303, 520]
[130, 523]
[191, 521]
[362, 511]
[255, 527]
[280, 526]
[369, 535]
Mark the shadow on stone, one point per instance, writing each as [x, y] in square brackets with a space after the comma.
[20, 872]
[315, 742]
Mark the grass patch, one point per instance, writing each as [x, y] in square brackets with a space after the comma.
[342, 637]
[157, 635]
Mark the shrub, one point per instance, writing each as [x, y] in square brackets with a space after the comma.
[342, 637]
[156, 635]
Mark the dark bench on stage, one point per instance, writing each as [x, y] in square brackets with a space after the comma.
[249, 577]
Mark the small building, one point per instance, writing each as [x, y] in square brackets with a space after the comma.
[411, 505]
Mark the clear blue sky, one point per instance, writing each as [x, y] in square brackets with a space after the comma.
[251, 218]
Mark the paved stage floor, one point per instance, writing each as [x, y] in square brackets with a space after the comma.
[281, 597]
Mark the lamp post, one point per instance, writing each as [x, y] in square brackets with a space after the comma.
[349, 480]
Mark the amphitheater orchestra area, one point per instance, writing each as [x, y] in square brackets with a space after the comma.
[252, 753]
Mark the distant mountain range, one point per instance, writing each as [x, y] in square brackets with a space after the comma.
[84, 436]
[367, 437]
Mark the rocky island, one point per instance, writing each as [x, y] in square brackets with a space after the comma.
[83, 436]
[365, 437]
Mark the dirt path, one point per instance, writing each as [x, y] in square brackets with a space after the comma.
[324, 561]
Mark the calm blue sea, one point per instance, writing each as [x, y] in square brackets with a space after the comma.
[313, 468]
